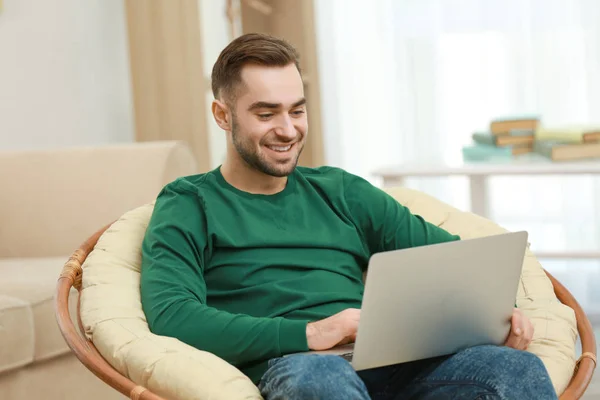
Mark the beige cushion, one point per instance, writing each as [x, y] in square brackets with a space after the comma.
[113, 318]
[28, 329]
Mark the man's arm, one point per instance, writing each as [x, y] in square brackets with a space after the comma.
[385, 223]
[173, 289]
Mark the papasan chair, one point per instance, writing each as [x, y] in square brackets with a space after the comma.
[112, 338]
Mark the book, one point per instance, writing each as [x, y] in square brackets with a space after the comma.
[501, 126]
[568, 134]
[564, 151]
[511, 138]
[480, 152]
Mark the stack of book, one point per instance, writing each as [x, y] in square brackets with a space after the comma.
[568, 143]
[508, 138]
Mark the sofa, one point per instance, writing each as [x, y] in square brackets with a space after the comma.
[147, 366]
[50, 201]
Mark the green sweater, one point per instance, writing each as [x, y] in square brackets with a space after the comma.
[240, 275]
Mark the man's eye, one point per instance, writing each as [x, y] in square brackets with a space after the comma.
[265, 116]
[298, 112]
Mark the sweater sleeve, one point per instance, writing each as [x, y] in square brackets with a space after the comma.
[385, 223]
[174, 295]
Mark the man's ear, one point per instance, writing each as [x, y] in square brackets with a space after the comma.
[221, 114]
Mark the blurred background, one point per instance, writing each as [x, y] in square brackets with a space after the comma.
[389, 83]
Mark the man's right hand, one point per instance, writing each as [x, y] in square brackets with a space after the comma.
[336, 330]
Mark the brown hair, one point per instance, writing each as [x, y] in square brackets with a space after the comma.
[251, 48]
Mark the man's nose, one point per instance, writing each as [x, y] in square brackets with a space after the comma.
[286, 128]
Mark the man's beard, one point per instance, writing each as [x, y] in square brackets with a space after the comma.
[251, 156]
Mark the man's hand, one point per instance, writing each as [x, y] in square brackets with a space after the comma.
[336, 330]
[521, 331]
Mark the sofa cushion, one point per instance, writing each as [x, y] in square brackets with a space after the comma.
[28, 328]
[16, 333]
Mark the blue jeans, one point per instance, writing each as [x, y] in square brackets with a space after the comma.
[478, 373]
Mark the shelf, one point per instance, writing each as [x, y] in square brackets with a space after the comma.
[569, 254]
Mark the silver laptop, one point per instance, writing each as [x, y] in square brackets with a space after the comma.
[436, 300]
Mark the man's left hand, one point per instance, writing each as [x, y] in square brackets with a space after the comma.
[521, 331]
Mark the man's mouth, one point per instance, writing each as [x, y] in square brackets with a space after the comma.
[280, 149]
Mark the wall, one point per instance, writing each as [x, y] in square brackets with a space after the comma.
[64, 74]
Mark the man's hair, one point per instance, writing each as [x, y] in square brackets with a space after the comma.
[251, 48]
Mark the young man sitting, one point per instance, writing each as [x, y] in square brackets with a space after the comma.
[260, 258]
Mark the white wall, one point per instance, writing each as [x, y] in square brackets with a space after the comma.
[64, 74]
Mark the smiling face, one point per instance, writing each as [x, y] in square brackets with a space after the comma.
[268, 119]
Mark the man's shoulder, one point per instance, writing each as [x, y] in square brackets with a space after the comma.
[330, 175]
[325, 172]
[190, 184]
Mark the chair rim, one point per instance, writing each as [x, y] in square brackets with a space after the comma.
[91, 358]
[82, 347]
[584, 369]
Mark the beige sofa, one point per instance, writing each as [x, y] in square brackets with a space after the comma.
[50, 201]
[114, 320]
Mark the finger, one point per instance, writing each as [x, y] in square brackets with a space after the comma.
[348, 339]
[523, 324]
[513, 340]
[528, 337]
[521, 342]
[517, 321]
[516, 330]
[344, 341]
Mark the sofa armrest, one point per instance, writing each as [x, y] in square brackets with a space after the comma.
[50, 199]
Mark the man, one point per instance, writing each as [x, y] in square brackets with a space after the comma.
[260, 258]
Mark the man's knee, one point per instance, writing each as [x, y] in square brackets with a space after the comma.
[527, 368]
[312, 377]
[513, 372]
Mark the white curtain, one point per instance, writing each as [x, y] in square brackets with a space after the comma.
[411, 80]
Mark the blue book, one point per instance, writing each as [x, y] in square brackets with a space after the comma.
[483, 152]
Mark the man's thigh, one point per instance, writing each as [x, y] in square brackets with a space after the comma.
[312, 376]
[481, 372]
[331, 377]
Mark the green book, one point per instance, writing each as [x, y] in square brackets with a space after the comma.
[515, 137]
[484, 138]
[482, 152]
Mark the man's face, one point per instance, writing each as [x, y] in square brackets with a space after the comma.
[269, 123]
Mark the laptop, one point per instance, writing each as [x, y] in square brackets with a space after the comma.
[436, 300]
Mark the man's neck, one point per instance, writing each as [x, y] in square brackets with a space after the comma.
[251, 180]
